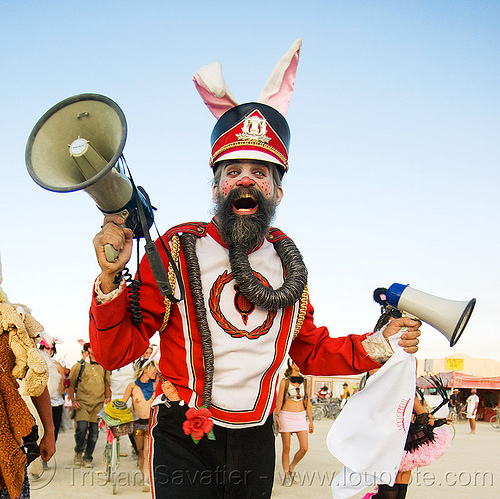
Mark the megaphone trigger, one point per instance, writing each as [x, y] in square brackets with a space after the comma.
[410, 316]
[111, 253]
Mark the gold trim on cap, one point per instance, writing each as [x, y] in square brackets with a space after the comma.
[257, 143]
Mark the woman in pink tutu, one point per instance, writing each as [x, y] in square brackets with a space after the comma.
[428, 439]
[293, 411]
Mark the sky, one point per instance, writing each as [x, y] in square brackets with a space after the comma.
[394, 156]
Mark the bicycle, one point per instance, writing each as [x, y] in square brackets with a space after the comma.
[111, 454]
[452, 429]
[458, 417]
[116, 421]
[332, 409]
[317, 413]
[495, 420]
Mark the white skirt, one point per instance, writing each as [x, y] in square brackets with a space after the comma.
[291, 422]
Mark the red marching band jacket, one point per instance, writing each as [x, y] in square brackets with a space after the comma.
[249, 343]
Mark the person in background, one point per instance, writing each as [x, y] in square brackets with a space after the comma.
[293, 415]
[119, 380]
[454, 404]
[141, 392]
[144, 357]
[66, 421]
[345, 395]
[88, 392]
[472, 406]
[324, 394]
[428, 439]
[85, 352]
[19, 432]
[55, 383]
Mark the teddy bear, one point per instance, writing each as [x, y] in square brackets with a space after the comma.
[24, 331]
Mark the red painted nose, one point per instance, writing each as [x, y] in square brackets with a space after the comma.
[245, 182]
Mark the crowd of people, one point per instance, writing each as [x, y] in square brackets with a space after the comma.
[87, 388]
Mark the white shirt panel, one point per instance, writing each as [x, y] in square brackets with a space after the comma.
[240, 363]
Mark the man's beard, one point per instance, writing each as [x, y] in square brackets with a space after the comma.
[246, 231]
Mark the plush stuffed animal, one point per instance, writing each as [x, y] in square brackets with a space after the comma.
[23, 330]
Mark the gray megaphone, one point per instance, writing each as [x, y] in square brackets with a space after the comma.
[78, 145]
[449, 317]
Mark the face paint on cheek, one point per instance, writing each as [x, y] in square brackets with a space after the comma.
[266, 189]
[225, 188]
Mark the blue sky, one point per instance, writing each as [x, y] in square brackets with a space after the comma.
[394, 157]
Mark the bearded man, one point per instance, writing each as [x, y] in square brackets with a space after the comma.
[246, 308]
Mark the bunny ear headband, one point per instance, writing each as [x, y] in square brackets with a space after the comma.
[255, 130]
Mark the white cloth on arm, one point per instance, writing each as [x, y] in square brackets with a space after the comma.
[377, 347]
[101, 297]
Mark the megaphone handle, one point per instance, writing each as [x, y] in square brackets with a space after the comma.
[111, 253]
[109, 250]
[406, 314]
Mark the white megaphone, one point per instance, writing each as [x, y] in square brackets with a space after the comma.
[447, 316]
[78, 145]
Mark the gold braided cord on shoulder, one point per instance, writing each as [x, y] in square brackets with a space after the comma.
[302, 311]
[174, 250]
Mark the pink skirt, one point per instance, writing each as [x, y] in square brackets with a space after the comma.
[291, 422]
[428, 452]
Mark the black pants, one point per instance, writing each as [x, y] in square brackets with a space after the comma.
[86, 435]
[238, 464]
[397, 491]
[56, 417]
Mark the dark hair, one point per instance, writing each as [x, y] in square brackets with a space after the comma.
[422, 418]
[289, 369]
[53, 346]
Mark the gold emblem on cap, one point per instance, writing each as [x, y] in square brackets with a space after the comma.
[254, 128]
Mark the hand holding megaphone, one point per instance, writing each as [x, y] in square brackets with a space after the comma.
[115, 236]
[410, 328]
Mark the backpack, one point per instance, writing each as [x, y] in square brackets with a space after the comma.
[82, 367]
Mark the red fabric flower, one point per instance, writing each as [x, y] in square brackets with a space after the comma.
[198, 423]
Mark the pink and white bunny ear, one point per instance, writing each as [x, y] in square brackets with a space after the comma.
[213, 89]
[45, 343]
[278, 90]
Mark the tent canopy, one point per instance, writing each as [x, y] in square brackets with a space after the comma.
[455, 379]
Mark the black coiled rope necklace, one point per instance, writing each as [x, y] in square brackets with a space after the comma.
[271, 299]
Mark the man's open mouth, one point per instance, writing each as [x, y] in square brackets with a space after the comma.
[245, 205]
